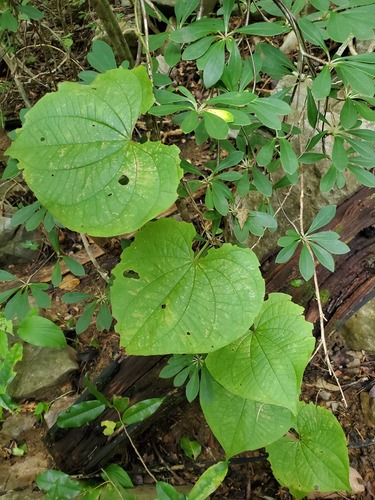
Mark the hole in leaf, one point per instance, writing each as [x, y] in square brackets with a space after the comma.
[42, 139]
[93, 125]
[188, 333]
[52, 175]
[163, 306]
[128, 273]
[123, 180]
[109, 194]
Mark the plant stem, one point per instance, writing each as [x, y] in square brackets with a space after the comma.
[120, 45]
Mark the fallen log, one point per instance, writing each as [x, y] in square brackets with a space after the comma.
[87, 450]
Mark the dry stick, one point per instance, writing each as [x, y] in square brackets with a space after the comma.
[145, 28]
[317, 295]
[105, 14]
[86, 244]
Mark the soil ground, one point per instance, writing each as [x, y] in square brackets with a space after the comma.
[40, 48]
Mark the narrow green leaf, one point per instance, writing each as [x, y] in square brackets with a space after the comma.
[56, 276]
[93, 390]
[183, 9]
[312, 109]
[265, 154]
[190, 123]
[41, 298]
[74, 266]
[84, 320]
[328, 180]
[74, 297]
[8, 293]
[6, 276]
[215, 64]
[219, 196]
[80, 414]
[31, 12]
[142, 410]
[306, 264]
[363, 176]
[116, 474]
[321, 86]
[172, 54]
[311, 158]
[324, 257]
[330, 241]
[17, 306]
[24, 213]
[286, 253]
[197, 29]
[36, 219]
[288, 157]
[348, 114]
[261, 182]
[198, 48]
[209, 481]
[338, 27]
[264, 29]
[313, 33]
[325, 215]
[231, 160]
[165, 491]
[40, 331]
[103, 318]
[192, 387]
[340, 157]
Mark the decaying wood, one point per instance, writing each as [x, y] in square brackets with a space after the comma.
[343, 292]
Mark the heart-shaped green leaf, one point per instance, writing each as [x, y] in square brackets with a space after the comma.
[240, 424]
[79, 159]
[166, 300]
[316, 461]
[267, 364]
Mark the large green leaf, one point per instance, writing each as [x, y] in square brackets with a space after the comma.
[41, 331]
[79, 159]
[57, 484]
[316, 461]
[240, 424]
[209, 481]
[80, 414]
[179, 303]
[267, 364]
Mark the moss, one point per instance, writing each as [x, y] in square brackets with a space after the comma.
[324, 296]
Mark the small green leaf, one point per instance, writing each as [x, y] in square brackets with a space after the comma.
[198, 48]
[316, 461]
[41, 298]
[74, 297]
[323, 256]
[80, 414]
[84, 320]
[142, 410]
[261, 182]
[209, 481]
[330, 241]
[56, 276]
[190, 122]
[74, 266]
[286, 253]
[31, 12]
[321, 86]
[101, 56]
[7, 365]
[306, 264]
[40, 331]
[220, 195]
[190, 447]
[328, 180]
[24, 213]
[311, 158]
[197, 29]
[265, 154]
[192, 387]
[172, 53]
[323, 217]
[312, 109]
[103, 318]
[263, 29]
[5, 276]
[36, 219]
[216, 127]
[215, 64]
[340, 157]
[8, 293]
[17, 306]
[109, 427]
[288, 157]
[93, 390]
[363, 176]
[348, 114]
[8, 21]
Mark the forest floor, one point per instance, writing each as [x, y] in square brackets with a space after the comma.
[44, 50]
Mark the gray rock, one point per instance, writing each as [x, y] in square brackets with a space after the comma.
[12, 239]
[41, 369]
[359, 330]
[18, 423]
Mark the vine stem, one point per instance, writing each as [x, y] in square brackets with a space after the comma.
[138, 454]
[323, 341]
